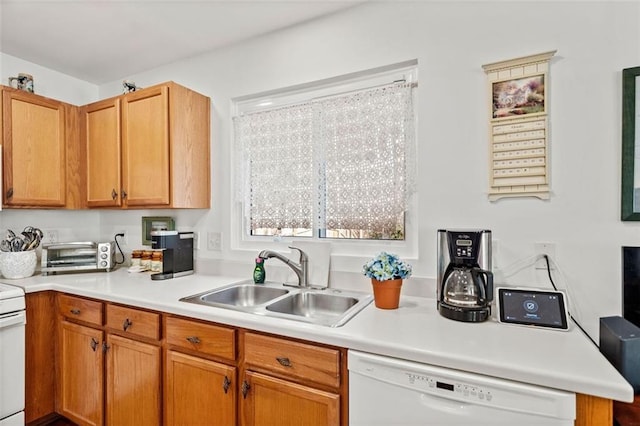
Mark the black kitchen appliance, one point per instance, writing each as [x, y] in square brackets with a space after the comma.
[620, 344]
[465, 281]
[177, 253]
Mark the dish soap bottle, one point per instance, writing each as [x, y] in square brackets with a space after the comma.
[259, 273]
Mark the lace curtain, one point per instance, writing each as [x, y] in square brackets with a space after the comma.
[276, 148]
[351, 156]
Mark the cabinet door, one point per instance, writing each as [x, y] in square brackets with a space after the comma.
[81, 374]
[199, 391]
[271, 401]
[40, 377]
[133, 382]
[34, 150]
[145, 144]
[102, 127]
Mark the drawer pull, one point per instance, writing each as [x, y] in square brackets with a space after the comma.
[283, 361]
[226, 383]
[126, 324]
[193, 339]
[245, 389]
[94, 344]
[75, 311]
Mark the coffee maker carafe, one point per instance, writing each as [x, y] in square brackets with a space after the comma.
[465, 280]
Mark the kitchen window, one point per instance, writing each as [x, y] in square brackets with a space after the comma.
[333, 159]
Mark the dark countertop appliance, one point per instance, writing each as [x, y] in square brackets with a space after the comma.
[177, 253]
[465, 281]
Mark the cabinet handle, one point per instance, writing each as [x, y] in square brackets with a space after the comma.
[9, 192]
[114, 194]
[284, 361]
[124, 194]
[126, 324]
[193, 339]
[226, 383]
[94, 344]
[75, 311]
[245, 389]
[105, 347]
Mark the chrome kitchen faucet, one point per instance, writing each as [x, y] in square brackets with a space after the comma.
[300, 268]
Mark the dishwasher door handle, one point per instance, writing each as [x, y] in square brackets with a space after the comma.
[17, 318]
[446, 405]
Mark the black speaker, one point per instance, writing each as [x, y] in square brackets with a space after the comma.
[620, 344]
[631, 284]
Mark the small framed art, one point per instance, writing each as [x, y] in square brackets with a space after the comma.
[518, 97]
[155, 223]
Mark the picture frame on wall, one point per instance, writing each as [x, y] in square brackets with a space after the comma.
[630, 175]
[518, 114]
[518, 97]
[152, 223]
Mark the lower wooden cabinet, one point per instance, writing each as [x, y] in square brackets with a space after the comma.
[288, 382]
[133, 382]
[201, 385]
[119, 365]
[199, 391]
[200, 373]
[81, 381]
[271, 401]
[40, 374]
[106, 378]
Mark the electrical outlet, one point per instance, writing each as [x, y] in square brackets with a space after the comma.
[50, 236]
[214, 241]
[545, 248]
[124, 238]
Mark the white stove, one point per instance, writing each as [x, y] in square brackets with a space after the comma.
[12, 355]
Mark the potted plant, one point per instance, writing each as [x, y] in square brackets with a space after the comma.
[386, 272]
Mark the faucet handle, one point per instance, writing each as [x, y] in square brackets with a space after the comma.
[303, 255]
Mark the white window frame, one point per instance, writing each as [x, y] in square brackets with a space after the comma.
[407, 248]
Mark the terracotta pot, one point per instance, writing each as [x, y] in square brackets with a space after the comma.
[386, 294]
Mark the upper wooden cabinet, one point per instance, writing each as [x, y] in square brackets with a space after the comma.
[102, 126]
[146, 149]
[39, 137]
[149, 149]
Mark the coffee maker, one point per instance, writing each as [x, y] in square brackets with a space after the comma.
[177, 253]
[465, 281]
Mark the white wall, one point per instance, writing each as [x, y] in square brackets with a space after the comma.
[452, 40]
[48, 82]
[594, 40]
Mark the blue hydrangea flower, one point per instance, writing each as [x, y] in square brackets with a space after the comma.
[386, 266]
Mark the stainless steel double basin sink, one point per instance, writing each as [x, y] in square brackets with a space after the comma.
[327, 307]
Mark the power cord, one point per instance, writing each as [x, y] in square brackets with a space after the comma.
[115, 238]
[546, 259]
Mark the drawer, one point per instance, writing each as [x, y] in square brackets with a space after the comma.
[133, 321]
[200, 337]
[293, 359]
[80, 309]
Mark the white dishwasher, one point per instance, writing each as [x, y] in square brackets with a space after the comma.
[393, 392]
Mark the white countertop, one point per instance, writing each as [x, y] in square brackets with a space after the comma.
[415, 331]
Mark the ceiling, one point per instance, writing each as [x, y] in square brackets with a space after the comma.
[104, 40]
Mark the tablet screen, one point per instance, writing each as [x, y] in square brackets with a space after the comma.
[533, 307]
